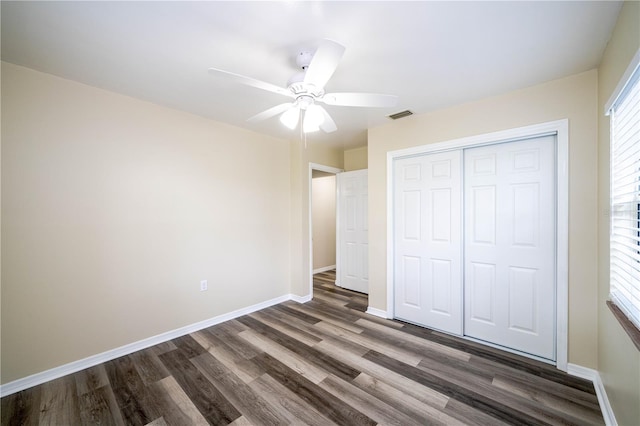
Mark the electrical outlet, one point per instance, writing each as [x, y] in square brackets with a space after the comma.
[204, 286]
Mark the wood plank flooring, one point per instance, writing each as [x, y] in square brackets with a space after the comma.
[320, 363]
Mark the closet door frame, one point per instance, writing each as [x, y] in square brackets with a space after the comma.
[559, 128]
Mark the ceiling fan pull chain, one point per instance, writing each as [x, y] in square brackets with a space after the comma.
[303, 135]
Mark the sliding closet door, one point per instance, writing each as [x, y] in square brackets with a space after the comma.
[509, 245]
[427, 233]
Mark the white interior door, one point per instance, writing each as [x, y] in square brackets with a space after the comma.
[427, 233]
[353, 233]
[509, 245]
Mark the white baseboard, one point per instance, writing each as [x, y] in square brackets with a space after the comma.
[377, 312]
[301, 299]
[324, 269]
[603, 400]
[75, 366]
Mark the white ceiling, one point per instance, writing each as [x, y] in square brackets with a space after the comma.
[431, 54]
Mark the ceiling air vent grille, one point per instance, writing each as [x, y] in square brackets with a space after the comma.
[400, 114]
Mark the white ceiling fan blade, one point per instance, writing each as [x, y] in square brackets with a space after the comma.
[251, 82]
[324, 63]
[271, 112]
[360, 99]
[328, 125]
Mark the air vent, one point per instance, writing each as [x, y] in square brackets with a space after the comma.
[400, 114]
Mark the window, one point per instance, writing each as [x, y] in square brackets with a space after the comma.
[624, 110]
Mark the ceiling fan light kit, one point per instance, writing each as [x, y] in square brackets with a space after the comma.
[291, 117]
[307, 88]
[313, 119]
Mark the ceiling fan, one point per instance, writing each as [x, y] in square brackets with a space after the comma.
[306, 88]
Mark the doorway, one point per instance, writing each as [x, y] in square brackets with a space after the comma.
[323, 214]
[322, 219]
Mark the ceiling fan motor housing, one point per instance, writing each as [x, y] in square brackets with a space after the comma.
[304, 59]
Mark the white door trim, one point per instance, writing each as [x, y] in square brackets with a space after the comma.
[322, 168]
[561, 129]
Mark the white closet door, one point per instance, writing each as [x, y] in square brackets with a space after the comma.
[353, 231]
[427, 233]
[509, 244]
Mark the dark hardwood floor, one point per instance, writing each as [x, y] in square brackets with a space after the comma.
[320, 363]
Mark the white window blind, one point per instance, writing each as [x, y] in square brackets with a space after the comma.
[625, 199]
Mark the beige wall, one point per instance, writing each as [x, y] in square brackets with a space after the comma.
[324, 221]
[356, 159]
[574, 98]
[114, 209]
[618, 359]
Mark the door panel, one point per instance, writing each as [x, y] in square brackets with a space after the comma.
[441, 219]
[411, 272]
[411, 208]
[427, 234]
[441, 294]
[509, 245]
[481, 284]
[522, 299]
[484, 214]
[353, 240]
[526, 205]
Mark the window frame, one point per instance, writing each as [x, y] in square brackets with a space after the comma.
[623, 309]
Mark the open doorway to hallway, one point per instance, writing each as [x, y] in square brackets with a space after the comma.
[322, 220]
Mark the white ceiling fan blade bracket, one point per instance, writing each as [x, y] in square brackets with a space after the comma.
[301, 89]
